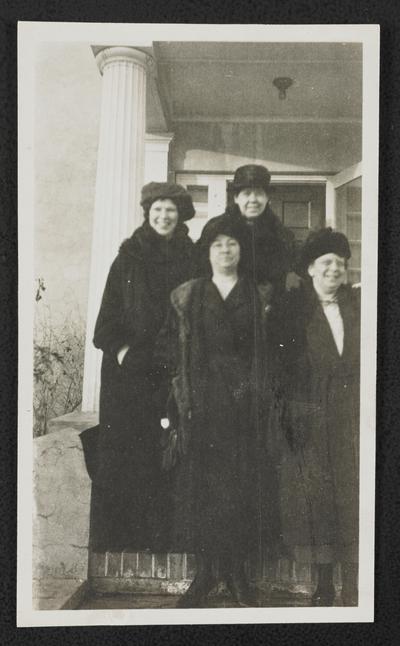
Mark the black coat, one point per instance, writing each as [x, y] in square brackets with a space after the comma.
[272, 251]
[319, 458]
[133, 309]
[224, 490]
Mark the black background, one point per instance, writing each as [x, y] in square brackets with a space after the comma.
[386, 629]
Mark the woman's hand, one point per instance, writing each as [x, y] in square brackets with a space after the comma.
[293, 281]
[121, 354]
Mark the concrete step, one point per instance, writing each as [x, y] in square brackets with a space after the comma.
[59, 593]
[77, 420]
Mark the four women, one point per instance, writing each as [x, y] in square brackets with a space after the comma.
[229, 364]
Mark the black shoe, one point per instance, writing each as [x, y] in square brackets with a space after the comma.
[240, 590]
[350, 597]
[350, 584]
[204, 581]
[196, 594]
[323, 597]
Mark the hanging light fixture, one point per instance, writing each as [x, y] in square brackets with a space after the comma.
[282, 83]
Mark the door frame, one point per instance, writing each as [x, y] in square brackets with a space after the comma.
[339, 179]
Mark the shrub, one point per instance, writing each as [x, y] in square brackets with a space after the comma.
[58, 364]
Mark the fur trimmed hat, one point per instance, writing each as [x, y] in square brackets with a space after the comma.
[318, 244]
[227, 226]
[251, 176]
[168, 191]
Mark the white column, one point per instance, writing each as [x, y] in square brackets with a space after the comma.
[156, 157]
[120, 175]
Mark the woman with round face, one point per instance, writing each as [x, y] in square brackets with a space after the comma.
[150, 264]
[216, 331]
[320, 348]
[163, 217]
[224, 255]
[327, 273]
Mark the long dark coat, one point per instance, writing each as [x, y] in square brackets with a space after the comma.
[272, 251]
[319, 463]
[218, 353]
[134, 306]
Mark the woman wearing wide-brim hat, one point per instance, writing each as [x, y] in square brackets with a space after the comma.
[271, 254]
[149, 265]
[320, 349]
[215, 345]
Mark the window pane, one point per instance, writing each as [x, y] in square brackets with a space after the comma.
[198, 193]
[355, 260]
[354, 198]
[354, 227]
[295, 214]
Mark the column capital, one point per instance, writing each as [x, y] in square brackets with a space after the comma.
[158, 140]
[117, 54]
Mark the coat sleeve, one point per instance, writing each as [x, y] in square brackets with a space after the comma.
[110, 333]
[281, 255]
[165, 358]
[287, 398]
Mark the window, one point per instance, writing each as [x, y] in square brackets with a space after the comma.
[348, 214]
[199, 196]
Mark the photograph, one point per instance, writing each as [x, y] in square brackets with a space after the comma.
[198, 218]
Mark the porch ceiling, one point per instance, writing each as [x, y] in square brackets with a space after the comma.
[232, 82]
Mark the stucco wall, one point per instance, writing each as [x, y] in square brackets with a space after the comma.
[67, 112]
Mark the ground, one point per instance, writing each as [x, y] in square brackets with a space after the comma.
[127, 601]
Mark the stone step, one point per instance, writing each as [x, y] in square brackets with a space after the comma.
[76, 420]
[59, 593]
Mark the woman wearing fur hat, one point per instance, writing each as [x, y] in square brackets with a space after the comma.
[152, 262]
[272, 244]
[320, 349]
[215, 345]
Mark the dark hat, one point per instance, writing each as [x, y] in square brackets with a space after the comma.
[319, 243]
[251, 176]
[227, 226]
[168, 191]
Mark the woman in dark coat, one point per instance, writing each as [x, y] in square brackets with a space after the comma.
[272, 244]
[215, 345]
[320, 349]
[152, 262]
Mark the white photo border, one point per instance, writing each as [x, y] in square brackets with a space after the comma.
[30, 36]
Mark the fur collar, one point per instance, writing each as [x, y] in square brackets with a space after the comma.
[182, 295]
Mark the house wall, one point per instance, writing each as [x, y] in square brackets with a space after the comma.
[67, 117]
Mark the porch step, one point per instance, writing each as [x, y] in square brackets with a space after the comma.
[137, 601]
[140, 572]
[171, 573]
[77, 420]
[59, 593]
